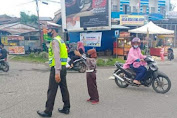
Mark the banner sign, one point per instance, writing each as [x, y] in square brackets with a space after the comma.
[124, 34]
[4, 40]
[15, 37]
[16, 50]
[91, 39]
[132, 20]
[80, 14]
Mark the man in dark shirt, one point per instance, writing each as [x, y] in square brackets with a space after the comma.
[3, 53]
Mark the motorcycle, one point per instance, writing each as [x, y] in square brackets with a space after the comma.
[170, 54]
[79, 65]
[160, 82]
[4, 66]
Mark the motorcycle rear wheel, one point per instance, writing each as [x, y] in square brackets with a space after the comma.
[120, 83]
[5, 67]
[161, 82]
[82, 68]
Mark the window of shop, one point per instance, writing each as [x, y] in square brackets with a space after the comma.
[135, 9]
[126, 9]
[162, 10]
[152, 9]
[144, 9]
[114, 8]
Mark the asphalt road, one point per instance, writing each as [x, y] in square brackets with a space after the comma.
[23, 91]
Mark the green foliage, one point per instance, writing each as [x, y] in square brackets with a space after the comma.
[33, 57]
[172, 7]
[28, 19]
[143, 52]
[100, 62]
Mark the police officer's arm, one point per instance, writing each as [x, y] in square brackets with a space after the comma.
[56, 51]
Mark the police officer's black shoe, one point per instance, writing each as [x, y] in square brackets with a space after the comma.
[65, 111]
[44, 114]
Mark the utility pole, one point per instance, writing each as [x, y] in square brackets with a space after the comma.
[40, 38]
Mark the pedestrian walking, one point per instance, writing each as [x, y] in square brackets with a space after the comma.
[57, 60]
[91, 77]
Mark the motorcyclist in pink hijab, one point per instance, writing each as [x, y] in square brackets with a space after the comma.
[136, 61]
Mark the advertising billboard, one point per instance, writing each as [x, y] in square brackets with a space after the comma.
[132, 20]
[78, 15]
[16, 50]
[91, 39]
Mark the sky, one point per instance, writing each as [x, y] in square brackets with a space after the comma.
[13, 7]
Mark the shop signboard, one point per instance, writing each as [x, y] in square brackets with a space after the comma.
[16, 50]
[91, 39]
[15, 38]
[79, 15]
[116, 33]
[124, 34]
[132, 20]
[4, 40]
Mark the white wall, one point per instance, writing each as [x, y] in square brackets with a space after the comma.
[133, 3]
[116, 2]
[153, 3]
[167, 5]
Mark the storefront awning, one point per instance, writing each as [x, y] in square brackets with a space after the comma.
[152, 29]
[119, 27]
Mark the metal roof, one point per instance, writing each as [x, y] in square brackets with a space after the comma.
[17, 28]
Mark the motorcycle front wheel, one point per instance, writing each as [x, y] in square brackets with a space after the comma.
[161, 84]
[120, 83]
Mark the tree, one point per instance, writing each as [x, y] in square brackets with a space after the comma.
[28, 19]
[172, 6]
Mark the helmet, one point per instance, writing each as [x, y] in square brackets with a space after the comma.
[92, 53]
[136, 40]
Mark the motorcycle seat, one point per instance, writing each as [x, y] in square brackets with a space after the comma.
[131, 71]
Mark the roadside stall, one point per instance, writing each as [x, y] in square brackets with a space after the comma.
[151, 28]
[122, 44]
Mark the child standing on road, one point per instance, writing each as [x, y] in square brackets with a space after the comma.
[91, 77]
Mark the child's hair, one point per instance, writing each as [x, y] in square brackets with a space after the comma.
[92, 53]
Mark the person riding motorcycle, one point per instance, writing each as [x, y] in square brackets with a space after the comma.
[136, 61]
[3, 54]
[77, 53]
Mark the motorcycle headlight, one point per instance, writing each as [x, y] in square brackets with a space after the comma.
[153, 67]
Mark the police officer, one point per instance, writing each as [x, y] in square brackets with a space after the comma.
[57, 60]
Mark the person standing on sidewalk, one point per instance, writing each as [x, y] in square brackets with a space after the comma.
[91, 77]
[162, 51]
[57, 60]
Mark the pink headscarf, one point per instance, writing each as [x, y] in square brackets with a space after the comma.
[133, 55]
[80, 45]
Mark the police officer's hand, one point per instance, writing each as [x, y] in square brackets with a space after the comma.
[57, 78]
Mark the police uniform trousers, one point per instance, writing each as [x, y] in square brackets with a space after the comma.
[53, 87]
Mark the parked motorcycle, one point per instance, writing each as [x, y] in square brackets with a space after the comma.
[79, 65]
[170, 54]
[159, 81]
[4, 66]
